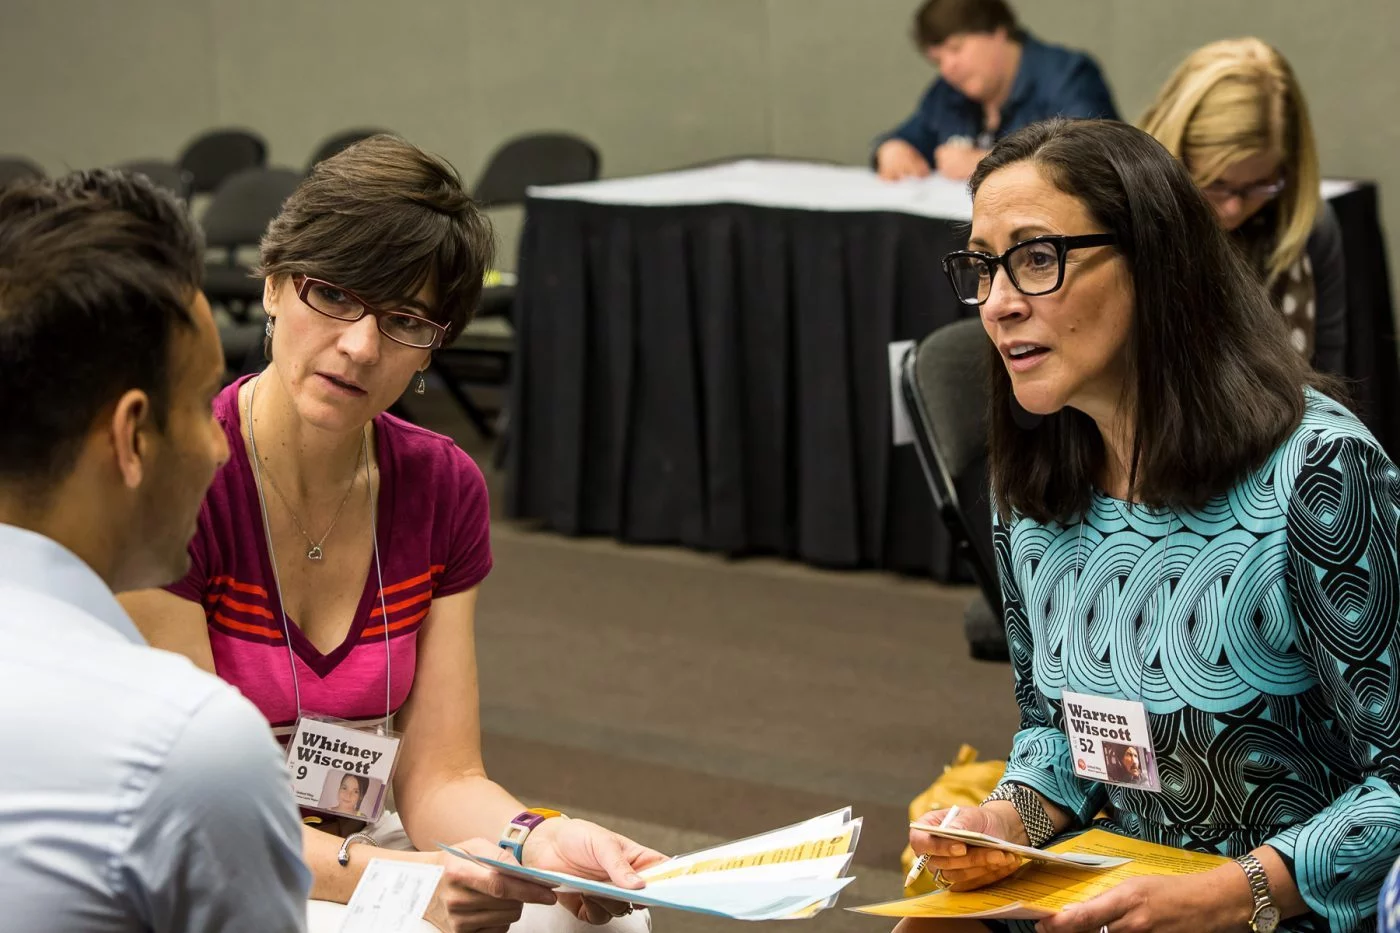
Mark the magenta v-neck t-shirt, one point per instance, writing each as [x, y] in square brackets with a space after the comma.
[434, 540]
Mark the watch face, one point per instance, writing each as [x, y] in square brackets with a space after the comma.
[1266, 919]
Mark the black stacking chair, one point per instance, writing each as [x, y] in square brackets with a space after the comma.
[17, 168]
[520, 163]
[237, 215]
[535, 159]
[216, 155]
[943, 380]
[339, 143]
[167, 175]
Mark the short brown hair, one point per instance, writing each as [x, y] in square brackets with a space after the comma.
[937, 20]
[383, 218]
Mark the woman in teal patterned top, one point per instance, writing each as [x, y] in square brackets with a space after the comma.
[1198, 555]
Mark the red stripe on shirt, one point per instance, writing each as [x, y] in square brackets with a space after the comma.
[395, 607]
[240, 587]
[395, 626]
[251, 629]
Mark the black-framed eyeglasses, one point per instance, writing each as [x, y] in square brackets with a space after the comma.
[1259, 191]
[1035, 266]
[341, 303]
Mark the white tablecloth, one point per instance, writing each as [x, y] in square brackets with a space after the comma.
[795, 185]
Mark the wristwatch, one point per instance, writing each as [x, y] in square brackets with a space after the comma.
[518, 830]
[1039, 828]
[1266, 914]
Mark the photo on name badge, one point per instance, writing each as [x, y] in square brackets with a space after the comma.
[1126, 764]
[354, 795]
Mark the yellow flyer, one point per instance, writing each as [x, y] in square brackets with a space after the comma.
[841, 843]
[1041, 889]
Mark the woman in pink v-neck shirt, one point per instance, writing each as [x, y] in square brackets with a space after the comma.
[336, 561]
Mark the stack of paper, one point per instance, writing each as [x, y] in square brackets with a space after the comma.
[786, 874]
[1088, 865]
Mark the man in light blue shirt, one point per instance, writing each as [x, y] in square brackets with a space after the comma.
[136, 792]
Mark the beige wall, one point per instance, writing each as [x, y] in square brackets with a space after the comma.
[655, 83]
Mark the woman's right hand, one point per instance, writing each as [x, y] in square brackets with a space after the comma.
[472, 898]
[965, 867]
[895, 159]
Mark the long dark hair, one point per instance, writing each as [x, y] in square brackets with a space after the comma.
[1216, 384]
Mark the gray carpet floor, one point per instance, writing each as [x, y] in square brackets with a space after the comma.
[685, 699]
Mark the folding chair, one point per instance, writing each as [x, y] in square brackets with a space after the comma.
[216, 155]
[943, 380]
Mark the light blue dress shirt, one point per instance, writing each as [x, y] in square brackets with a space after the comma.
[136, 791]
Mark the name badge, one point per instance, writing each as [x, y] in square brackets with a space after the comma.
[341, 770]
[1109, 741]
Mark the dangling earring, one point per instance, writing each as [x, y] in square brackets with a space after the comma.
[267, 337]
[420, 385]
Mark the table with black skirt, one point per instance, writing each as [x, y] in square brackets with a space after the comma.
[702, 357]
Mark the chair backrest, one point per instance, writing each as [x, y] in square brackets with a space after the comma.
[339, 143]
[245, 203]
[537, 159]
[218, 154]
[17, 168]
[944, 380]
[164, 174]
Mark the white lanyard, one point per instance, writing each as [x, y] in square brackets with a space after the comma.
[1110, 739]
[387, 725]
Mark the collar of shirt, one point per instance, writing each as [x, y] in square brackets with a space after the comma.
[31, 561]
[1028, 73]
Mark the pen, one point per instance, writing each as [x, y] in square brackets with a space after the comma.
[921, 862]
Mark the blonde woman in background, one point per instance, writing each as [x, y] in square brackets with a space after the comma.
[1234, 114]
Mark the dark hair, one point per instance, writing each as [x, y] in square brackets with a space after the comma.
[1216, 384]
[937, 20]
[382, 218]
[96, 270]
[360, 780]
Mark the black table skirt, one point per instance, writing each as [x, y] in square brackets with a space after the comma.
[717, 376]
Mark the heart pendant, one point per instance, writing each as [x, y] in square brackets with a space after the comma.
[315, 553]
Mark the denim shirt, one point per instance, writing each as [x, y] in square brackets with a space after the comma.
[1051, 81]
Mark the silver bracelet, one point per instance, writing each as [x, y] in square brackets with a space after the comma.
[344, 857]
[1039, 828]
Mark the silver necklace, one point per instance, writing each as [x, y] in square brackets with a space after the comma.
[388, 724]
[314, 552]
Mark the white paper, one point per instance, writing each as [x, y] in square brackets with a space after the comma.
[834, 866]
[762, 900]
[391, 897]
[902, 429]
[826, 825]
[1077, 859]
[787, 873]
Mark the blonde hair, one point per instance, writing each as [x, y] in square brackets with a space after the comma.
[1234, 99]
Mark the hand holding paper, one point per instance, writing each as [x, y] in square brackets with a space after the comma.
[587, 850]
[1043, 889]
[788, 873]
[470, 889]
[964, 867]
[982, 840]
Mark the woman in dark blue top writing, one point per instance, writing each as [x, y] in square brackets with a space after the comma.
[994, 78]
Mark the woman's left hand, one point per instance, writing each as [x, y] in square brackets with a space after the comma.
[1203, 903]
[586, 849]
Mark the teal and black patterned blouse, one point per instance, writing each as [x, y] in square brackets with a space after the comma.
[1261, 634]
